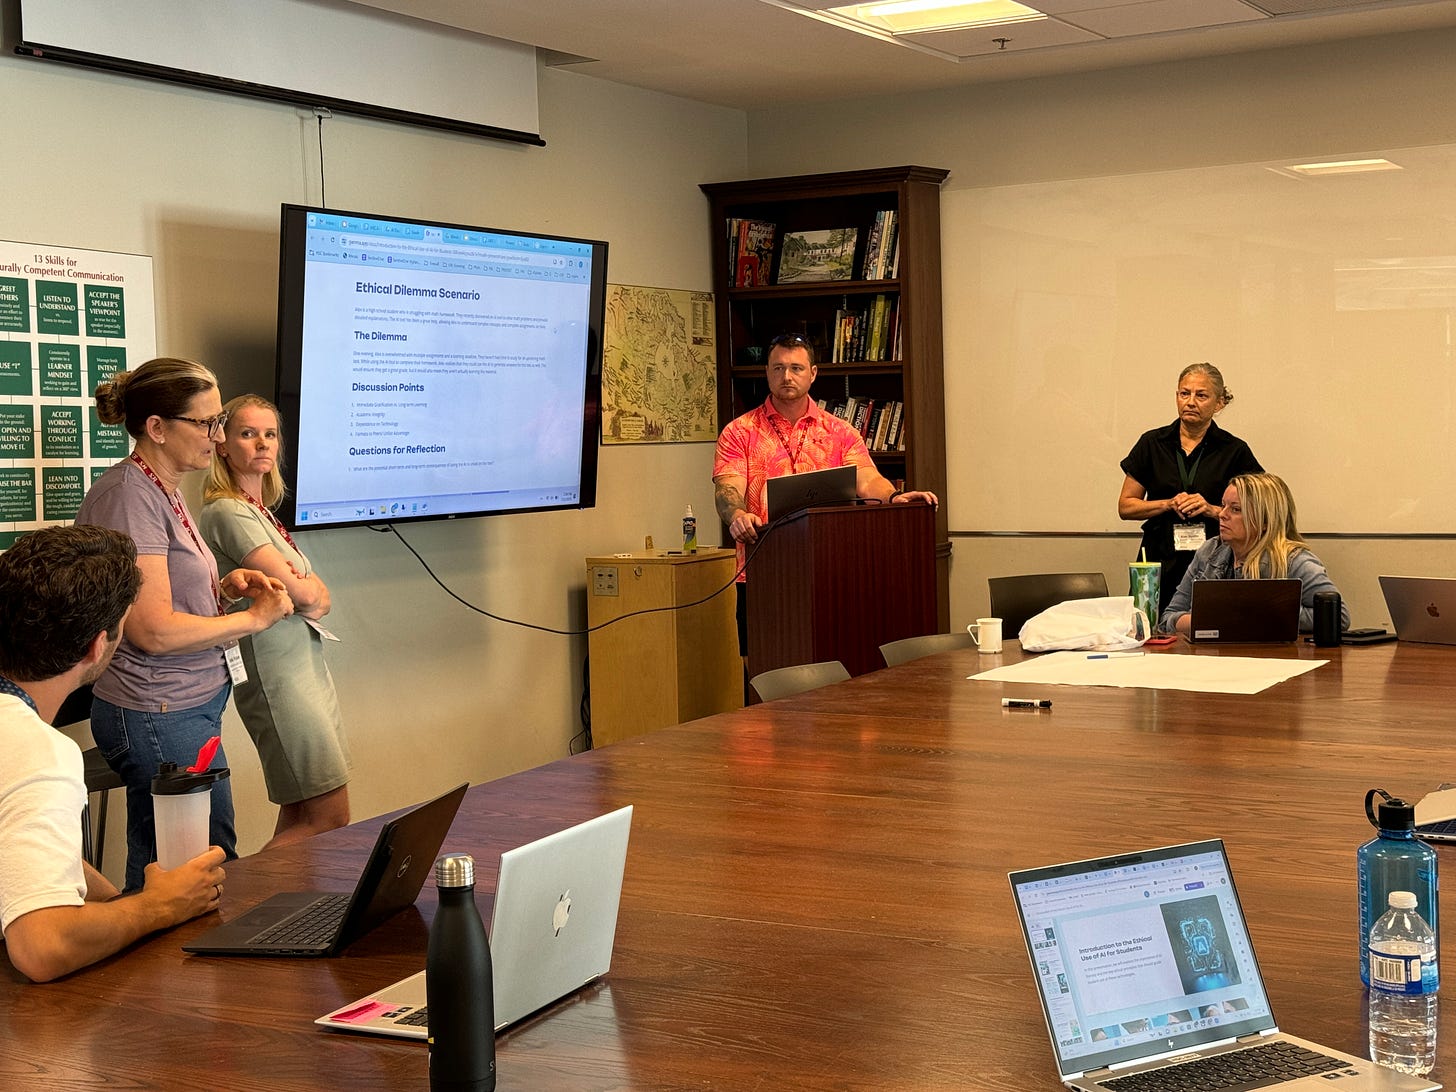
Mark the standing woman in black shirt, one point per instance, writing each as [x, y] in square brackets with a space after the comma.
[1177, 474]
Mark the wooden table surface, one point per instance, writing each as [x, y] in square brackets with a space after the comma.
[816, 891]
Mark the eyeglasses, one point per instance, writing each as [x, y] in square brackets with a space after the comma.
[789, 341]
[214, 425]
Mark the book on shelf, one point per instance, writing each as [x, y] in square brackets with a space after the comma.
[890, 257]
[826, 255]
[882, 426]
[861, 420]
[866, 334]
[876, 350]
[752, 249]
[894, 435]
[879, 246]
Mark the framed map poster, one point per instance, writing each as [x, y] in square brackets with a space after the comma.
[68, 319]
[659, 367]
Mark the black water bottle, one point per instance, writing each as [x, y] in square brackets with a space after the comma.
[458, 986]
[1327, 621]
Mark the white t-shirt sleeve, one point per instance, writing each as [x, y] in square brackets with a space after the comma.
[42, 792]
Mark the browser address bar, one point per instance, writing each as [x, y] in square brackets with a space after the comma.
[442, 250]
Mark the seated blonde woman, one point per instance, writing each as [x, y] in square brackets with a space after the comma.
[1257, 539]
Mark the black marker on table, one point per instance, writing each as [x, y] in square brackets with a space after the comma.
[1026, 703]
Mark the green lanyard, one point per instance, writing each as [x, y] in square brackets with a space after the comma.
[1186, 474]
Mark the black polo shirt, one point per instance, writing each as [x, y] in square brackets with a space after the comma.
[1153, 463]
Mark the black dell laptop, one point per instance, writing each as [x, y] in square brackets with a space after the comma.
[309, 923]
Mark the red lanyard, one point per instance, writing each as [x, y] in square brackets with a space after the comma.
[282, 530]
[792, 453]
[179, 510]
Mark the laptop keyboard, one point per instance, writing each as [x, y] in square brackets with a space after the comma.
[1445, 827]
[1254, 1067]
[419, 1018]
[315, 926]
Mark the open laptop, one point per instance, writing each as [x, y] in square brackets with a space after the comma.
[1422, 608]
[309, 923]
[1245, 611]
[551, 932]
[1143, 961]
[790, 493]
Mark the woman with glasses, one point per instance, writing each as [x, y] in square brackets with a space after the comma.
[288, 704]
[162, 696]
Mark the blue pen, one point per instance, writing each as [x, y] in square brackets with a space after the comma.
[1111, 655]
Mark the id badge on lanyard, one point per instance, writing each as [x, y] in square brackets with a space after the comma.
[237, 671]
[1189, 536]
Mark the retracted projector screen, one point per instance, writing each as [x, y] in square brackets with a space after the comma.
[346, 57]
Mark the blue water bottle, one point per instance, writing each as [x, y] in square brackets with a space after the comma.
[1395, 860]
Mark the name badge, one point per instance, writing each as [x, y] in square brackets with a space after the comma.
[318, 628]
[1188, 536]
[234, 657]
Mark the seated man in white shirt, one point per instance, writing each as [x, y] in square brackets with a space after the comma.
[64, 596]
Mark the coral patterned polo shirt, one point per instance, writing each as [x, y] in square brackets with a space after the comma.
[762, 444]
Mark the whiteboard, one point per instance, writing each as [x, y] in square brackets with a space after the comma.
[1328, 304]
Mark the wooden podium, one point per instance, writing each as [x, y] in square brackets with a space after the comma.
[836, 583]
[668, 666]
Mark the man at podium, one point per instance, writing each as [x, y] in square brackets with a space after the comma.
[788, 434]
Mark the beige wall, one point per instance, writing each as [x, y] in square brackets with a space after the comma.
[431, 693]
[1331, 100]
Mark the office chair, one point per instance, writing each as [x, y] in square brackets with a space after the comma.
[1014, 599]
[99, 777]
[784, 681]
[912, 648]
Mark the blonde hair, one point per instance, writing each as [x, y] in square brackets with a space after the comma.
[163, 387]
[1269, 521]
[220, 481]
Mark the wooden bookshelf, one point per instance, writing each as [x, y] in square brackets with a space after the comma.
[747, 317]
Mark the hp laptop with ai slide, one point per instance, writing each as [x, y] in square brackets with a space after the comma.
[312, 924]
[551, 932]
[1144, 966]
[1245, 611]
[1422, 608]
[790, 493]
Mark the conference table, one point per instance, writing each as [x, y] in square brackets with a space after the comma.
[816, 891]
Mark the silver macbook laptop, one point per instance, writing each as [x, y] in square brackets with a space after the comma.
[790, 493]
[309, 923]
[1245, 611]
[551, 932]
[1422, 608]
[1143, 961]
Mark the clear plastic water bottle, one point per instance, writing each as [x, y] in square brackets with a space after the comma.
[1395, 860]
[1403, 983]
[690, 531]
[459, 986]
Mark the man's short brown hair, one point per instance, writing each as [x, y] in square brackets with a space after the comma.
[59, 588]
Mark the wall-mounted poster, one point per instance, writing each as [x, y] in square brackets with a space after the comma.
[68, 319]
[659, 366]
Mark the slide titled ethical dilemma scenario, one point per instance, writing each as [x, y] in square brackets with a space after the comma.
[69, 319]
[441, 371]
[1160, 952]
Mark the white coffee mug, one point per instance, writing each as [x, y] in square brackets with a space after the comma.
[989, 635]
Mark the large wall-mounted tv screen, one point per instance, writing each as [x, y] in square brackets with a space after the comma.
[430, 370]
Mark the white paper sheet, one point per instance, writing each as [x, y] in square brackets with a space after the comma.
[1153, 670]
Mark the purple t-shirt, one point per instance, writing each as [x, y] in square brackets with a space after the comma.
[125, 499]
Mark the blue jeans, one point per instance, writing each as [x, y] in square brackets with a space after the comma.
[135, 744]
